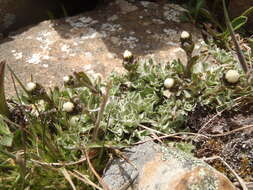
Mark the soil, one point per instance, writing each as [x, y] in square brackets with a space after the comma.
[235, 148]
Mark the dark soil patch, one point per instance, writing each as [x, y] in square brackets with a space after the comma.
[235, 148]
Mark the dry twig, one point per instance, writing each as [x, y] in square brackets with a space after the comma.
[84, 179]
[240, 180]
[104, 185]
[56, 164]
[101, 112]
[230, 132]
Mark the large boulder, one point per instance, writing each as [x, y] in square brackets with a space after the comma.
[150, 166]
[95, 41]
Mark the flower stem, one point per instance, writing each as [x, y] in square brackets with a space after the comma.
[4, 110]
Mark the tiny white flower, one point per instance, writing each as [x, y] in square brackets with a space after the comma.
[73, 121]
[185, 35]
[30, 86]
[127, 54]
[66, 78]
[68, 107]
[232, 76]
[169, 83]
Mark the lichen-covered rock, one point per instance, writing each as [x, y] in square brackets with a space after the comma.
[162, 168]
[95, 41]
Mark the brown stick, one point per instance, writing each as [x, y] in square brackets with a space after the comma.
[104, 185]
[101, 112]
[240, 180]
[4, 110]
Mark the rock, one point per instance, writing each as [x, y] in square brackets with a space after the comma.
[162, 168]
[95, 40]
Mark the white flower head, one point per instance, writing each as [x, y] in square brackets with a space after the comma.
[127, 54]
[232, 76]
[66, 78]
[30, 86]
[68, 107]
[185, 35]
[169, 83]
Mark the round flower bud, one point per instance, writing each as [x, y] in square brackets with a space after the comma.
[73, 121]
[127, 54]
[68, 107]
[30, 86]
[185, 35]
[169, 83]
[66, 79]
[232, 76]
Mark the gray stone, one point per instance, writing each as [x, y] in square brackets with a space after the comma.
[54, 48]
[154, 167]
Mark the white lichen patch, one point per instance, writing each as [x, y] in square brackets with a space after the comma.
[87, 20]
[148, 4]
[82, 22]
[87, 67]
[88, 55]
[158, 21]
[34, 59]
[47, 39]
[17, 55]
[173, 34]
[112, 18]
[130, 41]
[178, 50]
[111, 27]
[171, 14]
[65, 48]
[45, 57]
[176, 7]
[170, 43]
[37, 58]
[90, 34]
[111, 55]
[148, 32]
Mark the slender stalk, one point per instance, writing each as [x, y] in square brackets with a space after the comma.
[4, 110]
[101, 112]
[237, 46]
